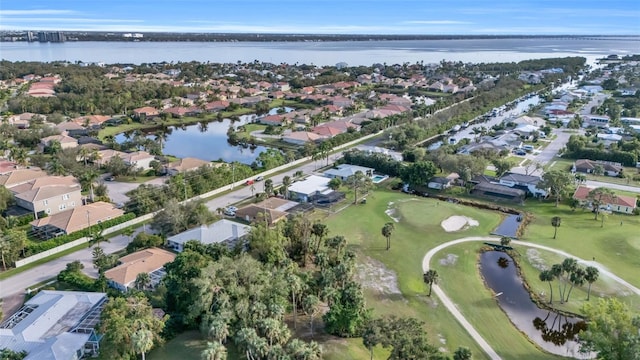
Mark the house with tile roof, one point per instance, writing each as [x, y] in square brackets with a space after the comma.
[186, 164]
[66, 141]
[619, 203]
[76, 219]
[587, 166]
[150, 261]
[146, 112]
[20, 176]
[55, 325]
[301, 137]
[50, 199]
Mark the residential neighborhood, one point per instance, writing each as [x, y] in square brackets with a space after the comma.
[219, 203]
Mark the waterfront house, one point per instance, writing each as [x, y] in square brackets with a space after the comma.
[186, 164]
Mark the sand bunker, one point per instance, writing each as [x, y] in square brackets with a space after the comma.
[457, 223]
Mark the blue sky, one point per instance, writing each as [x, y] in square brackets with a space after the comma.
[473, 17]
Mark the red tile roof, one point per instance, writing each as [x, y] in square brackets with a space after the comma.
[582, 193]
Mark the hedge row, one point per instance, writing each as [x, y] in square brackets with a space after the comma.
[33, 248]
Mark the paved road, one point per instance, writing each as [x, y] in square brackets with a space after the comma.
[20, 282]
[548, 153]
[118, 189]
[596, 184]
[450, 305]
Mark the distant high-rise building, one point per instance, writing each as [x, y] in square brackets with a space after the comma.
[51, 36]
[30, 36]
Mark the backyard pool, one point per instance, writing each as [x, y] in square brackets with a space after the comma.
[376, 179]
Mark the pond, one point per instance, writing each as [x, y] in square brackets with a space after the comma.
[206, 141]
[552, 331]
[509, 226]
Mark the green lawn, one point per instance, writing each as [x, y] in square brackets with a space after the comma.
[417, 231]
[614, 246]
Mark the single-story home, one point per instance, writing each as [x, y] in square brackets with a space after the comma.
[620, 203]
[309, 188]
[499, 192]
[301, 137]
[146, 112]
[66, 142]
[150, 261]
[55, 325]
[223, 231]
[588, 166]
[253, 213]
[442, 182]
[343, 171]
[185, 164]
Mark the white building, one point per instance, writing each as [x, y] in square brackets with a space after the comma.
[308, 189]
[55, 325]
[343, 171]
[223, 231]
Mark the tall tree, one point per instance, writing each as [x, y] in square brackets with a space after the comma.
[335, 183]
[502, 166]
[142, 341]
[143, 281]
[613, 331]
[462, 353]
[598, 197]
[418, 173]
[358, 182]
[430, 277]
[555, 222]
[311, 306]
[590, 276]
[320, 231]
[214, 351]
[576, 279]
[268, 187]
[547, 276]
[125, 321]
[557, 183]
[286, 182]
[387, 230]
[505, 241]
[372, 334]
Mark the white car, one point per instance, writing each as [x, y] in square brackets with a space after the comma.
[231, 208]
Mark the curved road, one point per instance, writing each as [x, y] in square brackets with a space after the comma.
[450, 305]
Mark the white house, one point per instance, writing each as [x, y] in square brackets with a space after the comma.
[343, 171]
[308, 189]
[223, 231]
[524, 182]
[55, 325]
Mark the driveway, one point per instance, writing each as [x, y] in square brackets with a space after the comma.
[118, 189]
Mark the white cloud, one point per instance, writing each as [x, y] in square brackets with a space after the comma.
[437, 22]
[36, 12]
[70, 20]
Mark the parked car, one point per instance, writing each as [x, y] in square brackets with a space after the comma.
[231, 208]
[110, 178]
[260, 178]
[249, 182]
[229, 212]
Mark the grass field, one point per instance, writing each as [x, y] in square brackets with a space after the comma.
[417, 231]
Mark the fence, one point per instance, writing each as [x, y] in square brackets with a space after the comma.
[146, 217]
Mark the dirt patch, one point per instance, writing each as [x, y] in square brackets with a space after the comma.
[392, 212]
[451, 259]
[533, 256]
[457, 223]
[372, 274]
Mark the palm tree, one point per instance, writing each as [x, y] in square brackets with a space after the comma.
[310, 306]
[143, 281]
[268, 187]
[577, 277]
[89, 178]
[335, 183]
[387, 230]
[218, 330]
[591, 275]
[214, 351]
[547, 275]
[142, 341]
[555, 222]
[84, 154]
[319, 230]
[430, 277]
[286, 182]
[54, 167]
[505, 241]
[556, 271]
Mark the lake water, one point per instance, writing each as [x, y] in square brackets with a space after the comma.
[322, 53]
[552, 331]
[208, 142]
